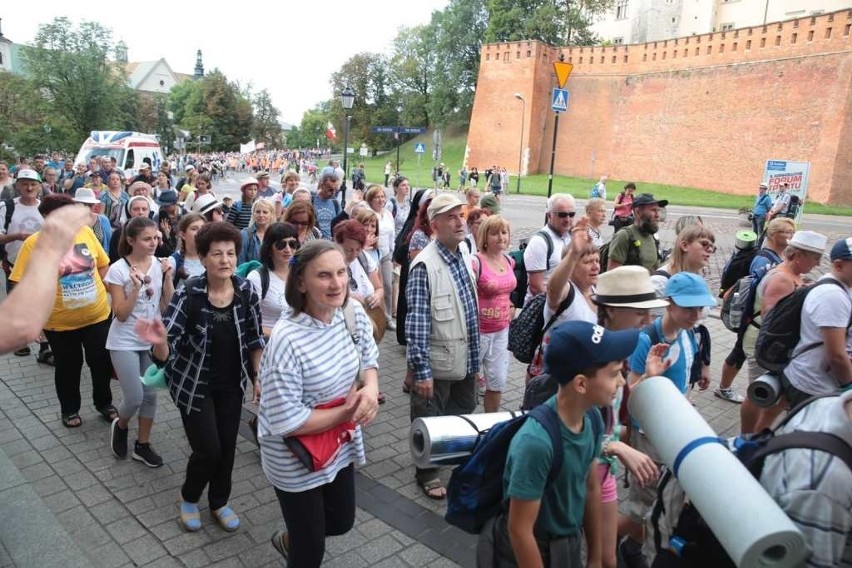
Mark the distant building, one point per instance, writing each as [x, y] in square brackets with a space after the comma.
[145, 76]
[640, 21]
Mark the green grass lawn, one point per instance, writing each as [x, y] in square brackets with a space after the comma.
[453, 156]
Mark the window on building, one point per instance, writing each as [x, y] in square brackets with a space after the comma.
[727, 27]
[617, 40]
[621, 9]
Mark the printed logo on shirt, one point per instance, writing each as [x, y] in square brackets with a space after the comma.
[77, 278]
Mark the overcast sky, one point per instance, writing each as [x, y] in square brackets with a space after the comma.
[290, 47]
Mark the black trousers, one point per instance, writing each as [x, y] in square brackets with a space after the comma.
[212, 435]
[68, 348]
[327, 510]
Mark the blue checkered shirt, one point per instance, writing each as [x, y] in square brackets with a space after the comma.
[418, 321]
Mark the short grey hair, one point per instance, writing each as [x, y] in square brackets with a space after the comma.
[554, 199]
[327, 176]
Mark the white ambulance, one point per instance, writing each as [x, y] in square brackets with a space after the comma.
[130, 150]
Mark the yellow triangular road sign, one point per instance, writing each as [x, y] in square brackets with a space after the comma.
[562, 70]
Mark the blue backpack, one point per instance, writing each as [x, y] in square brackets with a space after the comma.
[475, 490]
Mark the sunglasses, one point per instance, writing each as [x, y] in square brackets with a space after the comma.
[564, 214]
[292, 243]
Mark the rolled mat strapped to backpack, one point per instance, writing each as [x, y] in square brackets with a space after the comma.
[449, 440]
[763, 537]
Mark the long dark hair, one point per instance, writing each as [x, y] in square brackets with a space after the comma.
[408, 227]
[274, 233]
[131, 230]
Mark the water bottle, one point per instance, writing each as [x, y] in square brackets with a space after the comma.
[735, 316]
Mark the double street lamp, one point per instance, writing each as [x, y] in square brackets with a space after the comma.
[521, 98]
[347, 100]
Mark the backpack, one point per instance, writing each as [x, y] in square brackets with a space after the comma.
[698, 546]
[780, 331]
[737, 310]
[263, 271]
[527, 330]
[519, 294]
[634, 256]
[10, 210]
[594, 193]
[793, 207]
[246, 267]
[738, 266]
[394, 207]
[475, 490]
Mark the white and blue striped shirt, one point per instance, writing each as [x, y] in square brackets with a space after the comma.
[307, 363]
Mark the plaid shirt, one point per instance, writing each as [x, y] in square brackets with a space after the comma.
[188, 367]
[418, 321]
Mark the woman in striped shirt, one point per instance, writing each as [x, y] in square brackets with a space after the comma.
[309, 371]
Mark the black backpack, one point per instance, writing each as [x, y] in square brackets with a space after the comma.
[526, 331]
[780, 330]
[519, 294]
[738, 266]
[700, 547]
[793, 207]
[634, 256]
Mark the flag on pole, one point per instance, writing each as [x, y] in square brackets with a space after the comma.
[330, 132]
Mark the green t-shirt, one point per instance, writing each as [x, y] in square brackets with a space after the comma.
[528, 464]
[626, 239]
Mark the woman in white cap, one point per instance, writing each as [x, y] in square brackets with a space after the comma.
[203, 186]
[210, 207]
[625, 297]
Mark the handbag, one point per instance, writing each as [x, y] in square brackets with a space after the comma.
[319, 450]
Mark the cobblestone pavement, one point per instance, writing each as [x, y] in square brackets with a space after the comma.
[65, 500]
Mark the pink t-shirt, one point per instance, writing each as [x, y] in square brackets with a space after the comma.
[495, 307]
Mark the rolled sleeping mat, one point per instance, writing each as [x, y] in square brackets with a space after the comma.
[765, 390]
[448, 440]
[745, 240]
[751, 527]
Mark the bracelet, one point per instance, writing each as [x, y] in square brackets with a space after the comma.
[605, 452]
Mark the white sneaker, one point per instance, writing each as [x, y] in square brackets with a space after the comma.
[391, 325]
[729, 394]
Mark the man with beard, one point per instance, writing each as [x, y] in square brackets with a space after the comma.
[636, 244]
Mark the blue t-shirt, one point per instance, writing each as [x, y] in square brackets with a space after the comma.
[326, 210]
[681, 353]
[763, 262]
[762, 205]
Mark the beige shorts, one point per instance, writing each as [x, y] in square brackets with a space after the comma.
[640, 500]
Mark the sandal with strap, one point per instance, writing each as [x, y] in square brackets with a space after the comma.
[72, 420]
[226, 518]
[433, 489]
[278, 544]
[190, 516]
[108, 413]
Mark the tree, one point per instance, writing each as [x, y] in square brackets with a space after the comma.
[412, 66]
[312, 128]
[71, 67]
[266, 126]
[366, 74]
[555, 23]
[26, 124]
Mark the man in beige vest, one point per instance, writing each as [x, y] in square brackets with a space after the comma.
[442, 326]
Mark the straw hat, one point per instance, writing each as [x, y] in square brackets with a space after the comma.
[627, 287]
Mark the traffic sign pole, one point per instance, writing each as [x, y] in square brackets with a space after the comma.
[562, 70]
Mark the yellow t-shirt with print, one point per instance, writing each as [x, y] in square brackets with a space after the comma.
[81, 298]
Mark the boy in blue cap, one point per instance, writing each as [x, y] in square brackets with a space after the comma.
[543, 523]
[688, 295]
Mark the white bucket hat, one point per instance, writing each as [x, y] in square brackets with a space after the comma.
[627, 287]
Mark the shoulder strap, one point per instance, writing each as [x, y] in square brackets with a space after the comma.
[549, 419]
[653, 334]
[10, 210]
[661, 272]
[264, 280]
[821, 441]
[362, 260]
[178, 256]
[549, 242]
[569, 299]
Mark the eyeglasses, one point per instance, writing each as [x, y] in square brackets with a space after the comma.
[708, 246]
[564, 214]
[300, 223]
[292, 243]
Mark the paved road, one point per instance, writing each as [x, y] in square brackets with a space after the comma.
[65, 501]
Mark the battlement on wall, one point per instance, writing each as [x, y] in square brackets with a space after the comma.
[825, 33]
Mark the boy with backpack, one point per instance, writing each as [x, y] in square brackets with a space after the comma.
[542, 524]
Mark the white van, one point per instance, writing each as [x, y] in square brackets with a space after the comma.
[130, 150]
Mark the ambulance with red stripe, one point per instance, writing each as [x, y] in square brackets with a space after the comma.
[130, 150]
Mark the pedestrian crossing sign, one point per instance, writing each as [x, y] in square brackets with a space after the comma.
[420, 148]
[560, 100]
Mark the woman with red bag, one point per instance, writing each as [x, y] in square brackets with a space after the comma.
[320, 386]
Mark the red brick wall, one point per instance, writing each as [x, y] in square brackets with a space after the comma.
[648, 112]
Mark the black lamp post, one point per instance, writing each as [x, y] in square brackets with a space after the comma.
[521, 98]
[347, 99]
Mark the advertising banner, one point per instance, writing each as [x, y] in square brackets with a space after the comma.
[795, 175]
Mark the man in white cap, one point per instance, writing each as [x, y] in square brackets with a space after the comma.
[19, 217]
[442, 326]
[803, 254]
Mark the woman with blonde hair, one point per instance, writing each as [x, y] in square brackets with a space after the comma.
[494, 283]
[694, 246]
[262, 215]
[301, 215]
[596, 214]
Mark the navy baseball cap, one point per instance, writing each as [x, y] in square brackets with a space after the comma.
[575, 346]
[842, 250]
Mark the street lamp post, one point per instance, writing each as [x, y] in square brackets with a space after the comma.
[347, 99]
[521, 98]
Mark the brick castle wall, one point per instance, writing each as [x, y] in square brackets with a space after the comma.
[701, 111]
